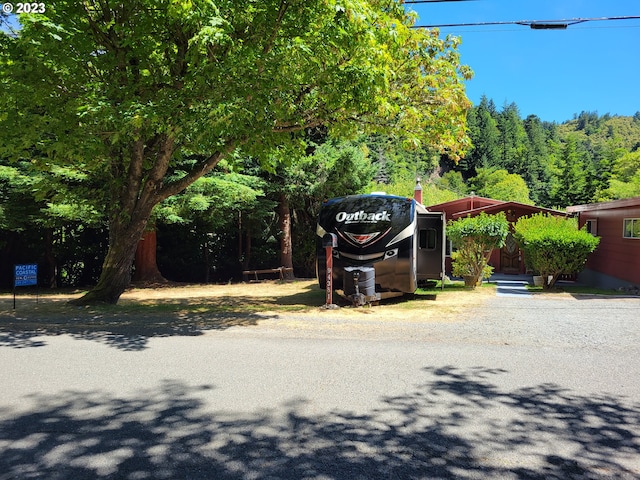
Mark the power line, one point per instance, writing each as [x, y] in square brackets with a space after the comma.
[534, 24]
[434, 1]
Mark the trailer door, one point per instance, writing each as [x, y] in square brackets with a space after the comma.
[430, 246]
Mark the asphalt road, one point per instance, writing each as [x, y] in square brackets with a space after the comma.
[517, 388]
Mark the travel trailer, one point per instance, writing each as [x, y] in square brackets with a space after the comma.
[386, 244]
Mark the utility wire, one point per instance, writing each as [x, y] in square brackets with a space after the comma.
[534, 24]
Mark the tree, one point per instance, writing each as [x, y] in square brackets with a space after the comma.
[536, 173]
[501, 185]
[475, 238]
[129, 89]
[333, 168]
[218, 205]
[553, 245]
[512, 140]
[625, 179]
[485, 137]
[453, 182]
[569, 180]
[42, 214]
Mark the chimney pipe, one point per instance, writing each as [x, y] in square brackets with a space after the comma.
[417, 191]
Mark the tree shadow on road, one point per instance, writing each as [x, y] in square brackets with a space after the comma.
[128, 330]
[130, 324]
[542, 432]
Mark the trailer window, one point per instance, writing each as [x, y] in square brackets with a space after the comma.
[428, 238]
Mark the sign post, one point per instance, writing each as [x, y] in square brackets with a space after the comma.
[23, 276]
[329, 241]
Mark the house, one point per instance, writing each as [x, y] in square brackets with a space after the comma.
[509, 259]
[616, 261]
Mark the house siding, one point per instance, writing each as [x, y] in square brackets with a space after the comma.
[616, 257]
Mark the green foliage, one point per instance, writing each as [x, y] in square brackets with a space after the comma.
[334, 169]
[453, 181]
[212, 200]
[570, 176]
[485, 137]
[475, 238]
[562, 165]
[553, 245]
[501, 185]
[17, 206]
[625, 178]
[513, 140]
[128, 90]
[396, 162]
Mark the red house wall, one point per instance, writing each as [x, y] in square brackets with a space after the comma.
[615, 256]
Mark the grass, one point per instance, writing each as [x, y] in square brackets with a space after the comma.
[201, 301]
[293, 308]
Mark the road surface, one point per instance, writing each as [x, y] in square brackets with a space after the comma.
[513, 388]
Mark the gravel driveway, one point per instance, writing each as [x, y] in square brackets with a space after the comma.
[512, 388]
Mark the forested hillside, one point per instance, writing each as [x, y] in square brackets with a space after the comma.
[587, 159]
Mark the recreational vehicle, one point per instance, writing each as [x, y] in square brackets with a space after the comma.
[385, 244]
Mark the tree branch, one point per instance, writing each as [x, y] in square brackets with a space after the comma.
[281, 12]
[197, 171]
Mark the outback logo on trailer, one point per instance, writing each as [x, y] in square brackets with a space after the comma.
[361, 238]
[363, 217]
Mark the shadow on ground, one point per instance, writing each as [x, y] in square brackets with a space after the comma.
[130, 324]
[128, 330]
[167, 433]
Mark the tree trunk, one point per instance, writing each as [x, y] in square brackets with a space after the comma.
[51, 263]
[286, 250]
[133, 201]
[116, 269]
[146, 266]
[246, 260]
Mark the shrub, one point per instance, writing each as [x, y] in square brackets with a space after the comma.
[475, 238]
[554, 245]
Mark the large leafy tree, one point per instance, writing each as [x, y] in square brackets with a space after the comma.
[128, 89]
[499, 184]
[535, 172]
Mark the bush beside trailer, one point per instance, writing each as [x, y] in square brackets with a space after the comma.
[386, 245]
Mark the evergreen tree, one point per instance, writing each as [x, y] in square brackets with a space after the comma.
[570, 177]
[485, 137]
[512, 140]
[535, 172]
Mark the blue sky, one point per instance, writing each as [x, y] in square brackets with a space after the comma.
[593, 66]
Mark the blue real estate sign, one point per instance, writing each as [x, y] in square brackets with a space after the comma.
[26, 275]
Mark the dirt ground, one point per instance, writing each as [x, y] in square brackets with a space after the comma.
[300, 297]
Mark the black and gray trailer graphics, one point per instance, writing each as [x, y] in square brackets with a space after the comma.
[397, 236]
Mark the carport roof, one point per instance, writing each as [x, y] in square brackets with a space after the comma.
[473, 205]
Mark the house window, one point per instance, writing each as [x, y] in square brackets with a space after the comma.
[631, 228]
[591, 226]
